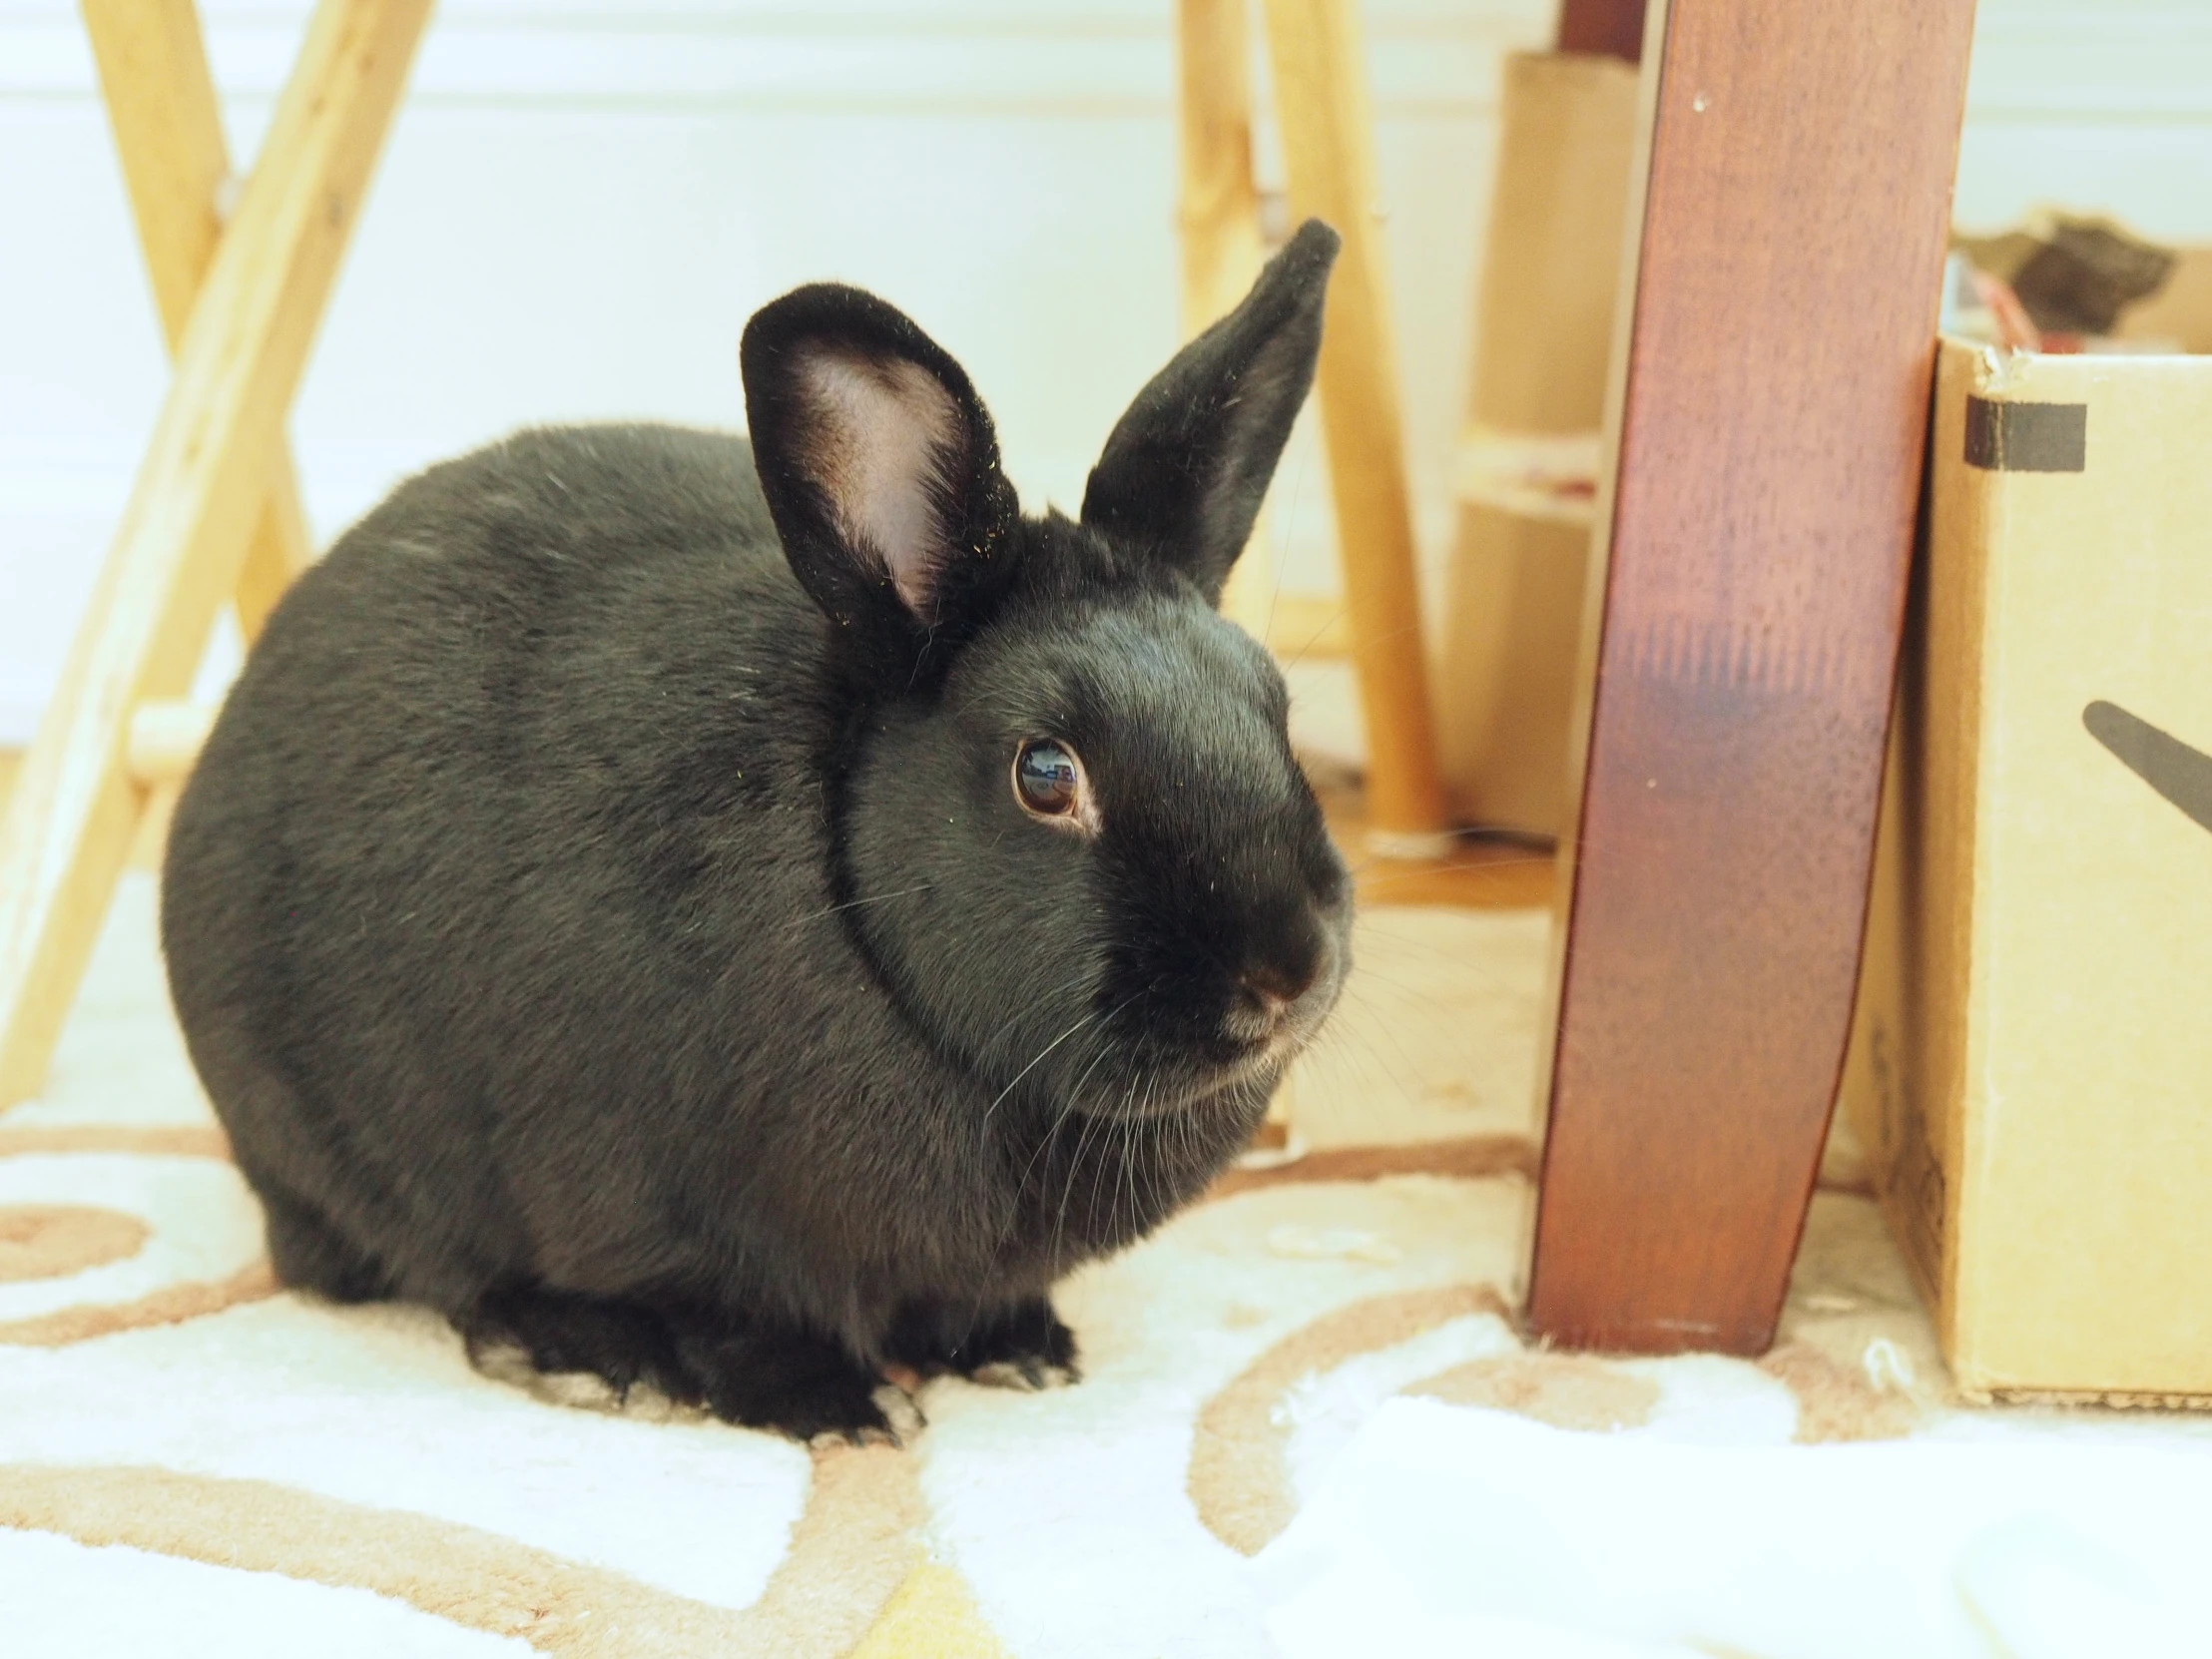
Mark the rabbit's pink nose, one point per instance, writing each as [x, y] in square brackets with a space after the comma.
[1275, 988]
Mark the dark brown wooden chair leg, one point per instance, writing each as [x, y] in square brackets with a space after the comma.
[1610, 28]
[1772, 419]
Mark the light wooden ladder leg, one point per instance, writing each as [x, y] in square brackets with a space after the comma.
[1328, 143]
[1219, 217]
[182, 544]
[168, 125]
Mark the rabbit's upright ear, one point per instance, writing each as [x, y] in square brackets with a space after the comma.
[1186, 469]
[880, 469]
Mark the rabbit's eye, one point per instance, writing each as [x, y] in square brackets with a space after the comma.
[1048, 781]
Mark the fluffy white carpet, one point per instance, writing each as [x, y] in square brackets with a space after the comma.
[1307, 1428]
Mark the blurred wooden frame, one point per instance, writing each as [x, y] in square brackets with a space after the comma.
[1329, 150]
[214, 515]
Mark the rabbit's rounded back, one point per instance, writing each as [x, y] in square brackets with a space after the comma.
[614, 867]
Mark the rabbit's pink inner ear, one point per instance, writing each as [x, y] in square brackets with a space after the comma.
[882, 441]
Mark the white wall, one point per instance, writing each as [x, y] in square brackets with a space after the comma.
[583, 202]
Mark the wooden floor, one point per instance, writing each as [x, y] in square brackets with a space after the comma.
[1482, 873]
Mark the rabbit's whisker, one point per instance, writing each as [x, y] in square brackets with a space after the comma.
[855, 903]
[1034, 1063]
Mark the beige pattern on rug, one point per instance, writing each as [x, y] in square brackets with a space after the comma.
[195, 1461]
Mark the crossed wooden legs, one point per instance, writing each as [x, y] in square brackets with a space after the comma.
[213, 513]
[168, 135]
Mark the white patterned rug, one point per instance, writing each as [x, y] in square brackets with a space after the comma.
[1307, 1426]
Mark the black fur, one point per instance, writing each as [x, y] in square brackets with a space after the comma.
[587, 929]
[1185, 470]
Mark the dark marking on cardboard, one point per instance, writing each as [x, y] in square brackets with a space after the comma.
[2027, 437]
[2178, 772]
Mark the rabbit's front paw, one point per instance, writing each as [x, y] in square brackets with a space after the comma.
[762, 1375]
[577, 1350]
[1020, 1345]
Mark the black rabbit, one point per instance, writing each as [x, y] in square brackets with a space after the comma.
[739, 919]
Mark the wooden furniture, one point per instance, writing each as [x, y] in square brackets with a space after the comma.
[1525, 477]
[1329, 150]
[1529, 453]
[1768, 417]
[1603, 28]
[214, 515]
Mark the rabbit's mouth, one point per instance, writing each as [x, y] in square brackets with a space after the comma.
[1199, 1084]
[1240, 1090]
[1264, 1063]
[1215, 1038]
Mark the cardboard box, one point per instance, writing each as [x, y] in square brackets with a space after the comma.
[2031, 1068]
[1512, 618]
